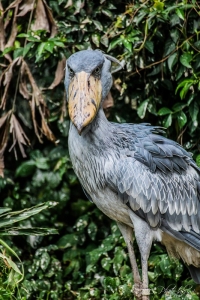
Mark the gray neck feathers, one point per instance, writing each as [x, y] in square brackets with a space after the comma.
[90, 151]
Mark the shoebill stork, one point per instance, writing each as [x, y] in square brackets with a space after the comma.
[145, 182]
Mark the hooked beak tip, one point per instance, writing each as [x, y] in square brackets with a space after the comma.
[79, 129]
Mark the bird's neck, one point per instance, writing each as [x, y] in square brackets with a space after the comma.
[88, 151]
[100, 127]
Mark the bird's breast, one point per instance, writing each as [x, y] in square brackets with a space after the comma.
[89, 166]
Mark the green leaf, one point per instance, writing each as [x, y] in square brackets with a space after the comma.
[167, 122]
[67, 241]
[197, 45]
[71, 266]
[18, 52]
[4, 210]
[92, 258]
[96, 39]
[185, 59]
[40, 50]
[53, 179]
[185, 89]
[11, 263]
[114, 43]
[128, 45]
[42, 163]
[155, 71]
[172, 60]
[26, 169]
[141, 111]
[178, 106]
[23, 35]
[169, 47]
[107, 13]
[104, 40]
[33, 39]
[138, 18]
[28, 231]
[44, 261]
[175, 35]
[82, 222]
[185, 85]
[164, 111]
[13, 217]
[59, 44]
[194, 110]
[98, 25]
[180, 13]
[27, 48]
[92, 230]
[7, 50]
[106, 263]
[49, 46]
[182, 119]
[165, 266]
[149, 45]
[158, 5]
[179, 72]
[119, 257]
[7, 247]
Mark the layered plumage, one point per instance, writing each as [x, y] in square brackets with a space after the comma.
[142, 180]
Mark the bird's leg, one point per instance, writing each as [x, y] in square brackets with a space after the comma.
[127, 233]
[144, 240]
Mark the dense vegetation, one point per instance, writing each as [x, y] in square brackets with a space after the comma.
[159, 42]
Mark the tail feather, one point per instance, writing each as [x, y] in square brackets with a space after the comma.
[195, 273]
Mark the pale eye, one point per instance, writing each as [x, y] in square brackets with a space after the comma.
[71, 72]
[97, 72]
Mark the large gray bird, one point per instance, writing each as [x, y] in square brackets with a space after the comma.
[140, 179]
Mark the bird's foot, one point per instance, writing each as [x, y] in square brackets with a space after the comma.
[137, 290]
[145, 294]
[140, 293]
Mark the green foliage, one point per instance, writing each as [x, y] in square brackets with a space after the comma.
[11, 274]
[159, 42]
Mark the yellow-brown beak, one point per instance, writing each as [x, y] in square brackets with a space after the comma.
[84, 99]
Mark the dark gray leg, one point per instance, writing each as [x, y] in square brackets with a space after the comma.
[144, 240]
[127, 233]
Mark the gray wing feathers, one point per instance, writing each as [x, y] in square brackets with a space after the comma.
[172, 196]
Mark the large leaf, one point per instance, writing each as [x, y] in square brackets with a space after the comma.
[28, 231]
[185, 59]
[194, 110]
[164, 111]
[172, 60]
[25, 169]
[149, 45]
[114, 43]
[182, 119]
[169, 47]
[4, 210]
[13, 217]
[11, 263]
[167, 121]
[141, 111]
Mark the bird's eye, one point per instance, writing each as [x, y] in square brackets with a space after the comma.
[97, 72]
[71, 72]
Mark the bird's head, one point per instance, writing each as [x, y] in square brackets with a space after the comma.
[88, 80]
